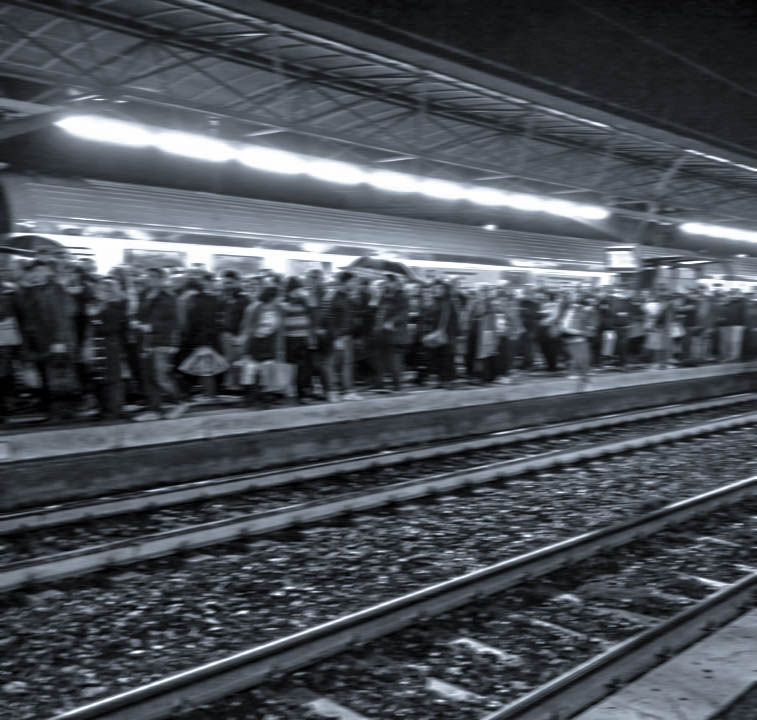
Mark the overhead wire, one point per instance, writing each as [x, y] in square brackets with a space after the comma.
[663, 48]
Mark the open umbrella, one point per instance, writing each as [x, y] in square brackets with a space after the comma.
[378, 267]
[27, 245]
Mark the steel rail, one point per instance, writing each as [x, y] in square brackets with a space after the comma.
[205, 683]
[591, 681]
[147, 547]
[85, 510]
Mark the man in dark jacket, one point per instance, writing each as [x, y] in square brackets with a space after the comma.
[732, 328]
[342, 315]
[158, 320]
[49, 337]
[202, 328]
[529, 316]
[619, 318]
[323, 354]
[390, 330]
[233, 304]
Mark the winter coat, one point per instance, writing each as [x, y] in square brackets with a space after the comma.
[232, 311]
[734, 312]
[202, 326]
[263, 331]
[342, 314]
[8, 309]
[108, 334]
[442, 315]
[160, 312]
[578, 321]
[482, 329]
[620, 313]
[529, 314]
[298, 318]
[48, 319]
[391, 317]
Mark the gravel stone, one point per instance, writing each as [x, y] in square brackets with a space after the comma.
[172, 614]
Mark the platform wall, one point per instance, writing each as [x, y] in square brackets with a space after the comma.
[295, 435]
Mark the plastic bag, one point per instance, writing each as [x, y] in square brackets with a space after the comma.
[609, 340]
[654, 340]
[9, 332]
[248, 369]
[278, 377]
[204, 362]
[30, 377]
[435, 339]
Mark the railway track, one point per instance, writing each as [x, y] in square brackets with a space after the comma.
[87, 636]
[205, 490]
[506, 617]
[32, 566]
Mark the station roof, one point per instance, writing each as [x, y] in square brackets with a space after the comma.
[245, 69]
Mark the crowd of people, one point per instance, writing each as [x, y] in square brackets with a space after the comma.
[146, 344]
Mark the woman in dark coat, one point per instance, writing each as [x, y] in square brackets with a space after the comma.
[443, 317]
[202, 328]
[263, 338]
[109, 327]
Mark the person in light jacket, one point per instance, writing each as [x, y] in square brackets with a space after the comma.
[263, 338]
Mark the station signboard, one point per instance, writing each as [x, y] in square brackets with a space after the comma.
[622, 258]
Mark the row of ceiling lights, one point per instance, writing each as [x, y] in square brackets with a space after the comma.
[201, 147]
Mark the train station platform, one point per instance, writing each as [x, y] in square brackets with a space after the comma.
[51, 465]
[698, 684]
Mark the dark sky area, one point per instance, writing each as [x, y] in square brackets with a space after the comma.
[685, 63]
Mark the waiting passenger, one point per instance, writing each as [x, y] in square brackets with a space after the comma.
[389, 330]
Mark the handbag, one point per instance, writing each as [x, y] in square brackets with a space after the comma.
[204, 362]
[437, 338]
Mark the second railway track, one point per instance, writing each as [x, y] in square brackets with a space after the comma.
[79, 638]
[472, 650]
[37, 555]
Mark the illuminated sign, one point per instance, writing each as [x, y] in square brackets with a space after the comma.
[622, 257]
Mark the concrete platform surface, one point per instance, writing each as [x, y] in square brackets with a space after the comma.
[695, 685]
[58, 442]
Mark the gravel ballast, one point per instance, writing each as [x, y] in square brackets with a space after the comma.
[67, 643]
[47, 541]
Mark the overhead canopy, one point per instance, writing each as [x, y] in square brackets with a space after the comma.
[246, 69]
